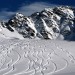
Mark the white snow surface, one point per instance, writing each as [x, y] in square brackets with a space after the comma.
[36, 57]
[5, 33]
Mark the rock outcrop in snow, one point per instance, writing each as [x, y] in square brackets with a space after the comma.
[51, 23]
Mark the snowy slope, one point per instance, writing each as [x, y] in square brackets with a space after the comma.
[5, 33]
[35, 57]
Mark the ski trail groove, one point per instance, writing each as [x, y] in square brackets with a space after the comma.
[40, 59]
[9, 66]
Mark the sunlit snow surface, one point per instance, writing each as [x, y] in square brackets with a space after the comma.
[36, 57]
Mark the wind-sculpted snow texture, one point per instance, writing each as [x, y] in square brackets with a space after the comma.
[35, 57]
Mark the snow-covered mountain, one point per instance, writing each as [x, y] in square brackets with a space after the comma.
[38, 57]
[51, 23]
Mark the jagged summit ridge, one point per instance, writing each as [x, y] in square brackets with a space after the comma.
[51, 23]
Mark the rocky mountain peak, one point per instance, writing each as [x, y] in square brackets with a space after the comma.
[50, 23]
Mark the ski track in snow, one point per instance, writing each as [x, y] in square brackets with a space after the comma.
[33, 57]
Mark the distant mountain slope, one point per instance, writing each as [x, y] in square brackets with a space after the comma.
[51, 23]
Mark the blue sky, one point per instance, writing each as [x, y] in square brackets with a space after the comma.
[10, 7]
[14, 5]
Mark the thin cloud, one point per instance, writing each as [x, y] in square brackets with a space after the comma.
[35, 7]
[26, 10]
[4, 15]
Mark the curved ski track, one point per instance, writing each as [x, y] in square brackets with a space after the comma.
[33, 57]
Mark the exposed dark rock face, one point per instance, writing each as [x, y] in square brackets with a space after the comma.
[50, 23]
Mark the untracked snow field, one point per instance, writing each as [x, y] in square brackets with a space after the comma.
[36, 57]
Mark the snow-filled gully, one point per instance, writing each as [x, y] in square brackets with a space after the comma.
[34, 58]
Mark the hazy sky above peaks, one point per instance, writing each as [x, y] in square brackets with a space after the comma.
[27, 7]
